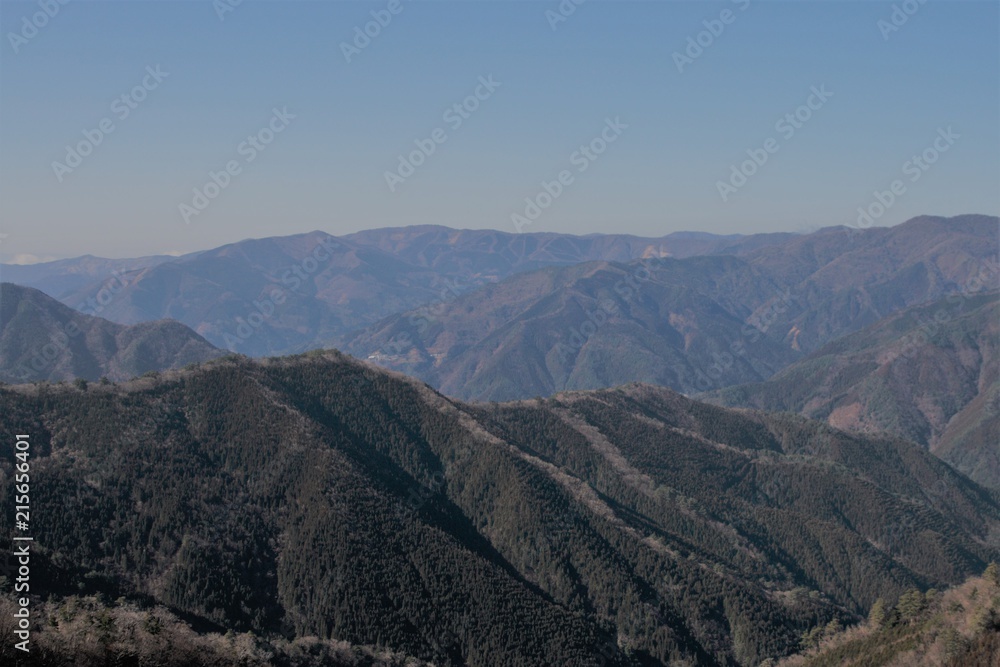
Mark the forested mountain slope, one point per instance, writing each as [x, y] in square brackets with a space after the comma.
[318, 496]
[930, 374]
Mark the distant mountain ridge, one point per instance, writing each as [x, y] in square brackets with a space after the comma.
[69, 275]
[586, 326]
[694, 324]
[288, 294]
[778, 297]
[41, 339]
[842, 280]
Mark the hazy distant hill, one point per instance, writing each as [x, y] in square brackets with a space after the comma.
[41, 339]
[317, 496]
[843, 280]
[930, 374]
[679, 323]
[269, 296]
[691, 324]
[523, 328]
[285, 294]
[65, 276]
[491, 255]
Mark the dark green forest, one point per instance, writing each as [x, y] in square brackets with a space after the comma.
[317, 497]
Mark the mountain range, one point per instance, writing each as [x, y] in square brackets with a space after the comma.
[287, 294]
[291, 294]
[692, 324]
[318, 496]
[590, 325]
[687, 450]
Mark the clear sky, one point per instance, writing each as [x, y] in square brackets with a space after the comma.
[560, 81]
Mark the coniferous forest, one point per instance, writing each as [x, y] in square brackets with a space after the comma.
[315, 508]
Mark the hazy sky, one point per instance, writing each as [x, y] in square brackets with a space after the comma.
[196, 86]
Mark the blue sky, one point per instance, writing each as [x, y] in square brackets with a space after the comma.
[891, 94]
